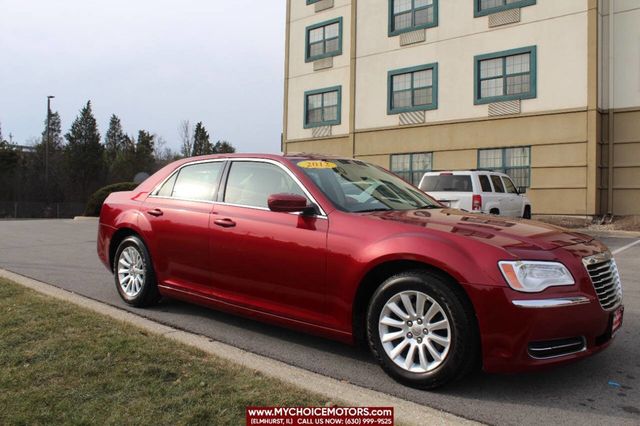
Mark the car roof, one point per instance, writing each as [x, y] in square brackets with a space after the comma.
[289, 156]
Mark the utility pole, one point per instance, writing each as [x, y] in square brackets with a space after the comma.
[46, 149]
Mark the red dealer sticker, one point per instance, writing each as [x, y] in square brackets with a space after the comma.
[319, 416]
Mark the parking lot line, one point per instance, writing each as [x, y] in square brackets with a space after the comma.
[623, 248]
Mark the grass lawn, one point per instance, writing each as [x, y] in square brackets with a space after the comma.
[62, 364]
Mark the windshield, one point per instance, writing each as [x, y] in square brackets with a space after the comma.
[355, 186]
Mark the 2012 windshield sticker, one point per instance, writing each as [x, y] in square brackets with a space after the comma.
[317, 164]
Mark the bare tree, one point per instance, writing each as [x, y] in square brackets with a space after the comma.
[186, 138]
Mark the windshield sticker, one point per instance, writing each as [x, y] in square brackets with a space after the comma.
[317, 164]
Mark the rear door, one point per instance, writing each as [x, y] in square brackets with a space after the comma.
[178, 215]
[500, 196]
[489, 199]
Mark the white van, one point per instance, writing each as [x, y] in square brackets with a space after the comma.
[477, 191]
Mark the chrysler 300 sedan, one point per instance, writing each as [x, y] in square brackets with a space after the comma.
[346, 250]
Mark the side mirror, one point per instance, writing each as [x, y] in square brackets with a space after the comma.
[289, 203]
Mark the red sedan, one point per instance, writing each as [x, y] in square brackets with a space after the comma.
[347, 250]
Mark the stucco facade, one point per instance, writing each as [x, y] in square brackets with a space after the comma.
[561, 114]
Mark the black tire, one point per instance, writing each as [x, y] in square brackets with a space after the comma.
[148, 294]
[463, 352]
[527, 212]
[495, 212]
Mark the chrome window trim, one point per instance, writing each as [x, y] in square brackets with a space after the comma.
[152, 194]
[551, 303]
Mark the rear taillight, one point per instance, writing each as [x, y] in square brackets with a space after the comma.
[476, 203]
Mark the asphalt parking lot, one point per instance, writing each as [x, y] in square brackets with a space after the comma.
[604, 389]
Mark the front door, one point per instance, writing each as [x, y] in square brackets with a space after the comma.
[275, 262]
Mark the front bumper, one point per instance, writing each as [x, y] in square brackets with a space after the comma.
[508, 330]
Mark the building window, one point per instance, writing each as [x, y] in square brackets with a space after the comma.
[411, 167]
[322, 107]
[410, 15]
[312, 1]
[323, 40]
[516, 162]
[487, 7]
[413, 89]
[505, 76]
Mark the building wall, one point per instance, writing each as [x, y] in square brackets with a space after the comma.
[620, 103]
[558, 29]
[566, 125]
[303, 78]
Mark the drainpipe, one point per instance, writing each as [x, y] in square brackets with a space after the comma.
[611, 58]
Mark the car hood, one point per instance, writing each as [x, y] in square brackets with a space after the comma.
[494, 230]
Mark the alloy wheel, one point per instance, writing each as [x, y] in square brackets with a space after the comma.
[131, 271]
[415, 331]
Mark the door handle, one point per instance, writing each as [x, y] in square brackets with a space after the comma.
[225, 223]
[155, 212]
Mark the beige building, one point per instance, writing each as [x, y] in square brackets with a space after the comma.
[522, 86]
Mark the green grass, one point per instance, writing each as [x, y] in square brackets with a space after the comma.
[63, 364]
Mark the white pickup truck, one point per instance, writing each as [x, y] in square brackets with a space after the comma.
[477, 191]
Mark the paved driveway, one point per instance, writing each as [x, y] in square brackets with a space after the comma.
[601, 390]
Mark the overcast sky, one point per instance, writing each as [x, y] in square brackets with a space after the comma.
[153, 63]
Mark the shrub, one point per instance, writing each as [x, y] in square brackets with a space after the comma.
[97, 199]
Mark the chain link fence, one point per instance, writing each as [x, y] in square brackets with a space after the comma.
[40, 209]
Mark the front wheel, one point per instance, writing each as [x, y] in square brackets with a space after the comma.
[133, 272]
[422, 330]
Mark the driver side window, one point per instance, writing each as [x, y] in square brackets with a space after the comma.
[250, 184]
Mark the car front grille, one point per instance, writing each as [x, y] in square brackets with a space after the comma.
[604, 275]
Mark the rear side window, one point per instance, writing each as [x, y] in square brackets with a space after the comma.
[497, 183]
[167, 187]
[196, 182]
[485, 184]
[447, 183]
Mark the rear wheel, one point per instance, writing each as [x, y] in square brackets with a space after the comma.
[495, 212]
[527, 212]
[133, 273]
[422, 330]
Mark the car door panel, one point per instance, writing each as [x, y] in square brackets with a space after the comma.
[181, 245]
[178, 214]
[272, 261]
[267, 260]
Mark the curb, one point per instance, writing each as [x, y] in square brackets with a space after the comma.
[85, 218]
[405, 412]
[608, 233]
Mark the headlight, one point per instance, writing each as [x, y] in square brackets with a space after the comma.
[533, 277]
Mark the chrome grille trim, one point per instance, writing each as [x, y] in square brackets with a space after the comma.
[605, 278]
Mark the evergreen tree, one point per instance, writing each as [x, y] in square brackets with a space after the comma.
[124, 166]
[1, 138]
[47, 160]
[55, 132]
[223, 147]
[145, 159]
[84, 156]
[115, 139]
[9, 162]
[201, 143]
